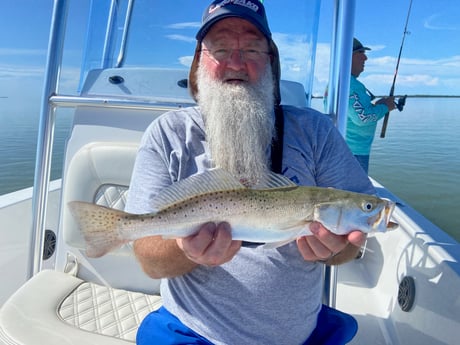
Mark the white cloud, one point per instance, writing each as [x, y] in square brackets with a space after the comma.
[323, 53]
[294, 55]
[183, 26]
[183, 38]
[29, 79]
[418, 79]
[186, 25]
[376, 48]
[20, 71]
[186, 60]
[440, 21]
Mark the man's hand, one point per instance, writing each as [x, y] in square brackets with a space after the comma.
[388, 101]
[212, 245]
[326, 246]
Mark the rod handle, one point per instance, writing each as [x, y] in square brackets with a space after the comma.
[385, 124]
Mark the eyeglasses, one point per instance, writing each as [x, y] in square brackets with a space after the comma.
[223, 54]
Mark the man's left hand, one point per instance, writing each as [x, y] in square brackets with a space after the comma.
[324, 245]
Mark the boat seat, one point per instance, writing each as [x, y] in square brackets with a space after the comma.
[86, 301]
[56, 308]
[100, 172]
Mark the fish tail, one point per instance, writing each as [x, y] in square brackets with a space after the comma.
[99, 226]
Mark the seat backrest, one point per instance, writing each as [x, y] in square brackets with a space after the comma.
[100, 172]
[293, 93]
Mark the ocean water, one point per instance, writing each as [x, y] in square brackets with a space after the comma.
[18, 145]
[418, 160]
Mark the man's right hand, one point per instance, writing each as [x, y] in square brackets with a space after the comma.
[211, 245]
[388, 101]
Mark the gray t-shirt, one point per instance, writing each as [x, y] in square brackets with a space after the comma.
[262, 296]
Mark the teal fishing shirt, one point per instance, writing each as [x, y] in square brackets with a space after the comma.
[362, 118]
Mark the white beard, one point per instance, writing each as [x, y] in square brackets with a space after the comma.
[239, 124]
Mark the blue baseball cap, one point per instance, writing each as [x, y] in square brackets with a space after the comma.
[251, 10]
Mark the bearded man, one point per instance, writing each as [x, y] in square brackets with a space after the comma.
[216, 291]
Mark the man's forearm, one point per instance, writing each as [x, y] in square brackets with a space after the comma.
[161, 258]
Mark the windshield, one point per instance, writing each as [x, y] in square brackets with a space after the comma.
[161, 34]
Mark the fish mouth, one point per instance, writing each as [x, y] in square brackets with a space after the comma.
[381, 220]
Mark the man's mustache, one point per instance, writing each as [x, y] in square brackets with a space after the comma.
[232, 75]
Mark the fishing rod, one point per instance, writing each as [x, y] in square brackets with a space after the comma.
[402, 100]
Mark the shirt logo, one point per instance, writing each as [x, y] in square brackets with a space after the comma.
[360, 110]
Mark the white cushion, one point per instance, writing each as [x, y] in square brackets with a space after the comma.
[55, 308]
[93, 166]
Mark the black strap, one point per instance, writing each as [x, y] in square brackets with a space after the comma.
[277, 145]
[277, 155]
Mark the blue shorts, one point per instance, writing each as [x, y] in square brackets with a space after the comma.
[162, 327]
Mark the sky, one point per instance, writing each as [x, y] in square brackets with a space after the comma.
[430, 60]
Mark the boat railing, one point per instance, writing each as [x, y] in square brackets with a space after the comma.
[124, 37]
[46, 135]
[113, 102]
[338, 91]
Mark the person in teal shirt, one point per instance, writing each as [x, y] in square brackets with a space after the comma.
[363, 114]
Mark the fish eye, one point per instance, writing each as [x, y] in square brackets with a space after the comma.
[368, 206]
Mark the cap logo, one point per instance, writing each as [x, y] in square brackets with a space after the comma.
[245, 3]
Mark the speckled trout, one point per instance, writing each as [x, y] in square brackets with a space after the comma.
[274, 212]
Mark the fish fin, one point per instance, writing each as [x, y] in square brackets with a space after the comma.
[210, 181]
[274, 181]
[300, 228]
[99, 226]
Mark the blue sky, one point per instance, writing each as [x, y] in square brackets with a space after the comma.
[430, 61]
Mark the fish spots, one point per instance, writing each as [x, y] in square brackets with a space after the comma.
[100, 219]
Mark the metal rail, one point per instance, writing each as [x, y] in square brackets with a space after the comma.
[337, 101]
[108, 33]
[111, 102]
[124, 37]
[46, 135]
[340, 63]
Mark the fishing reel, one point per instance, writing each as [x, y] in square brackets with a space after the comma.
[401, 103]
